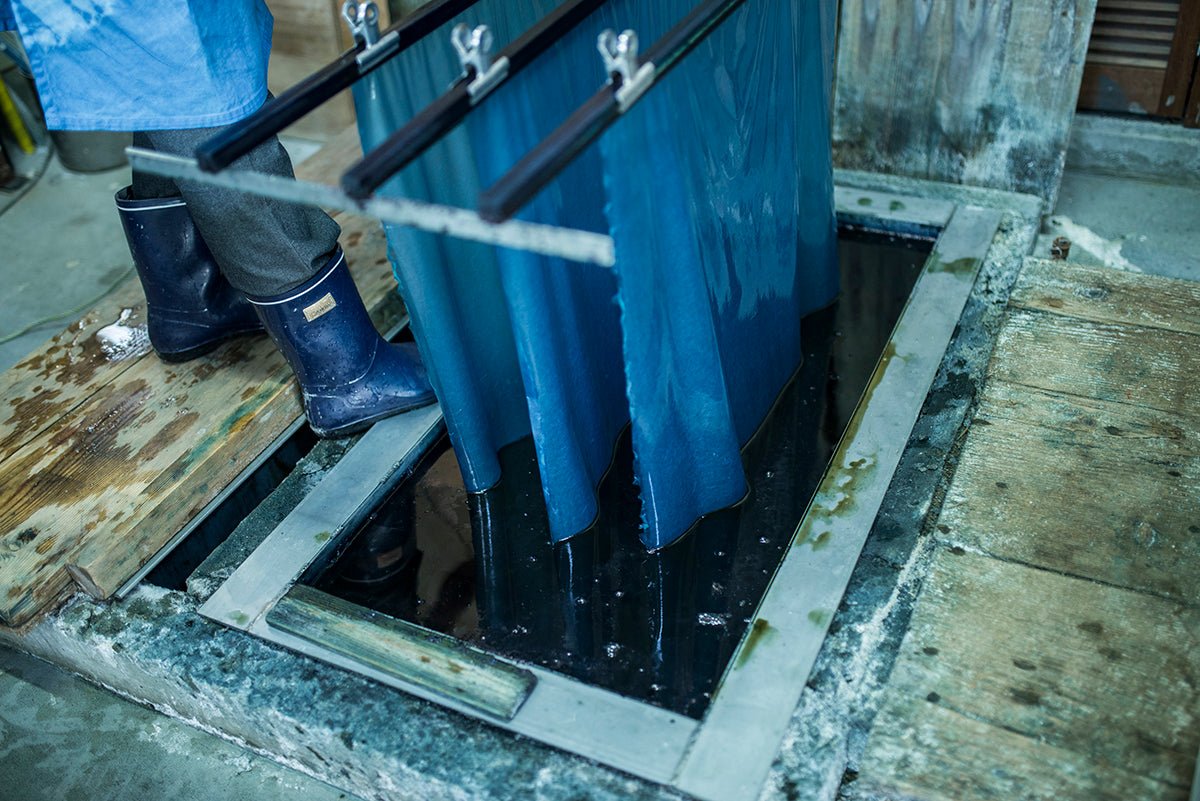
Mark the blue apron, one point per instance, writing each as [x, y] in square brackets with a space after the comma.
[130, 65]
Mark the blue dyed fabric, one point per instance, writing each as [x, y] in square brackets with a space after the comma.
[717, 190]
[125, 65]
[564, 317]
[722, 250]
[451, 288]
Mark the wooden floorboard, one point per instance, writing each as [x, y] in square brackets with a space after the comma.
[1017, 683]
[1109, 296]
[1054, 652]
[1081, 486]
[102, 462]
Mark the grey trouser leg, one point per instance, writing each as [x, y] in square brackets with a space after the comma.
[264, 247]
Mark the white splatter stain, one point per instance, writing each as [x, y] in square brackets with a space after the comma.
[121, 341]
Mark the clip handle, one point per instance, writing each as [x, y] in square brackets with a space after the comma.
[363, 20]
[474, 48]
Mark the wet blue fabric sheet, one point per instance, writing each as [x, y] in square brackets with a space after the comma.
[717, 190]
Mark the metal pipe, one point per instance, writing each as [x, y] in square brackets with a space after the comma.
[481, 77]
[630, 79]
[241, 137]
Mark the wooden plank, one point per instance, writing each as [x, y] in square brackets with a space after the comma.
[978, 93]
[435, 662]
[1031, 455]
[1191, 117]
[308, 35]
[1108, 296]
[1182, 62]
[129, 455]
[1019, 683]
[1150, 367]
[53, 379]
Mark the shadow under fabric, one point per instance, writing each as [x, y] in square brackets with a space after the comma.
[717, 190]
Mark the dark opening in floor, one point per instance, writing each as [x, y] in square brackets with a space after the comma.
[656, 627]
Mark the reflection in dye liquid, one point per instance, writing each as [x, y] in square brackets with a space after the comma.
[658, 627]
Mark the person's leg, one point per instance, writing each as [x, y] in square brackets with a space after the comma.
[263, 246]
[284, 258]
[147, 186]
[190, 307]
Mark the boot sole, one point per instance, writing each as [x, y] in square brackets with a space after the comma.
[208, 347]
[359, 426]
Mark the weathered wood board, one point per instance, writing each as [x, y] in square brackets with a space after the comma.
[1108, 296]
[1086, 487]
[1054, 652]
[1017, 683]
[981, 93]
[101, 462]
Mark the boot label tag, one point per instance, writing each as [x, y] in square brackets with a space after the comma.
[322, 306]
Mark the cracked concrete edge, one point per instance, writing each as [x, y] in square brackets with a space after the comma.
[821, 755]
[365, 739]
[1020, 205]
[256, 526]
[1131, 148]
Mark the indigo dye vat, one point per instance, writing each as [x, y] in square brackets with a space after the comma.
[717, 191]
[658, 627]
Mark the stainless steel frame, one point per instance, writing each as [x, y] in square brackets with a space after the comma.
[725, 756]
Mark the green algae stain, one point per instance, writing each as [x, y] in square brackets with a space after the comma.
[895, 205]
[239, 618]
[760, 630]
[822, 540]
[865, 201]
[324, 536]
[819, 617]
[956, 267]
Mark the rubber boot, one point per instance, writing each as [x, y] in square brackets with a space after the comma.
[350, 376]
[190, 307]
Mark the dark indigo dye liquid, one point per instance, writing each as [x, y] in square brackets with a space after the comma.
[656, 627]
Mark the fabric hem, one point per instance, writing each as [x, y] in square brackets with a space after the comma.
[75, 122]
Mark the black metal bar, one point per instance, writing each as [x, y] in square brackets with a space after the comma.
[444, 114]
[240, 138]
[519, 185]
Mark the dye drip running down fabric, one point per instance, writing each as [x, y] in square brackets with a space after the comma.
[717, 190]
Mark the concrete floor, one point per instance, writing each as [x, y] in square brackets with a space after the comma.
[62, 739]
[1127, 223]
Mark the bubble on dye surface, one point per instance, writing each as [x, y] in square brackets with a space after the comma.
[711, 619]
[612, 649]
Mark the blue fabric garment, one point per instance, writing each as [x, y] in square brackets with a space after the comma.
[722, 251]
[125, 65]
[717, 190]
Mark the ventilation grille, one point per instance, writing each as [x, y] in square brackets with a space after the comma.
[1133, 33]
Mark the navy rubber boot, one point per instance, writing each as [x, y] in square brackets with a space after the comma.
[350, 376]
[190, 307]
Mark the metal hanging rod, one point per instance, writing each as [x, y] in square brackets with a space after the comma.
[481, 75]
[630, 78]
[372, 48]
